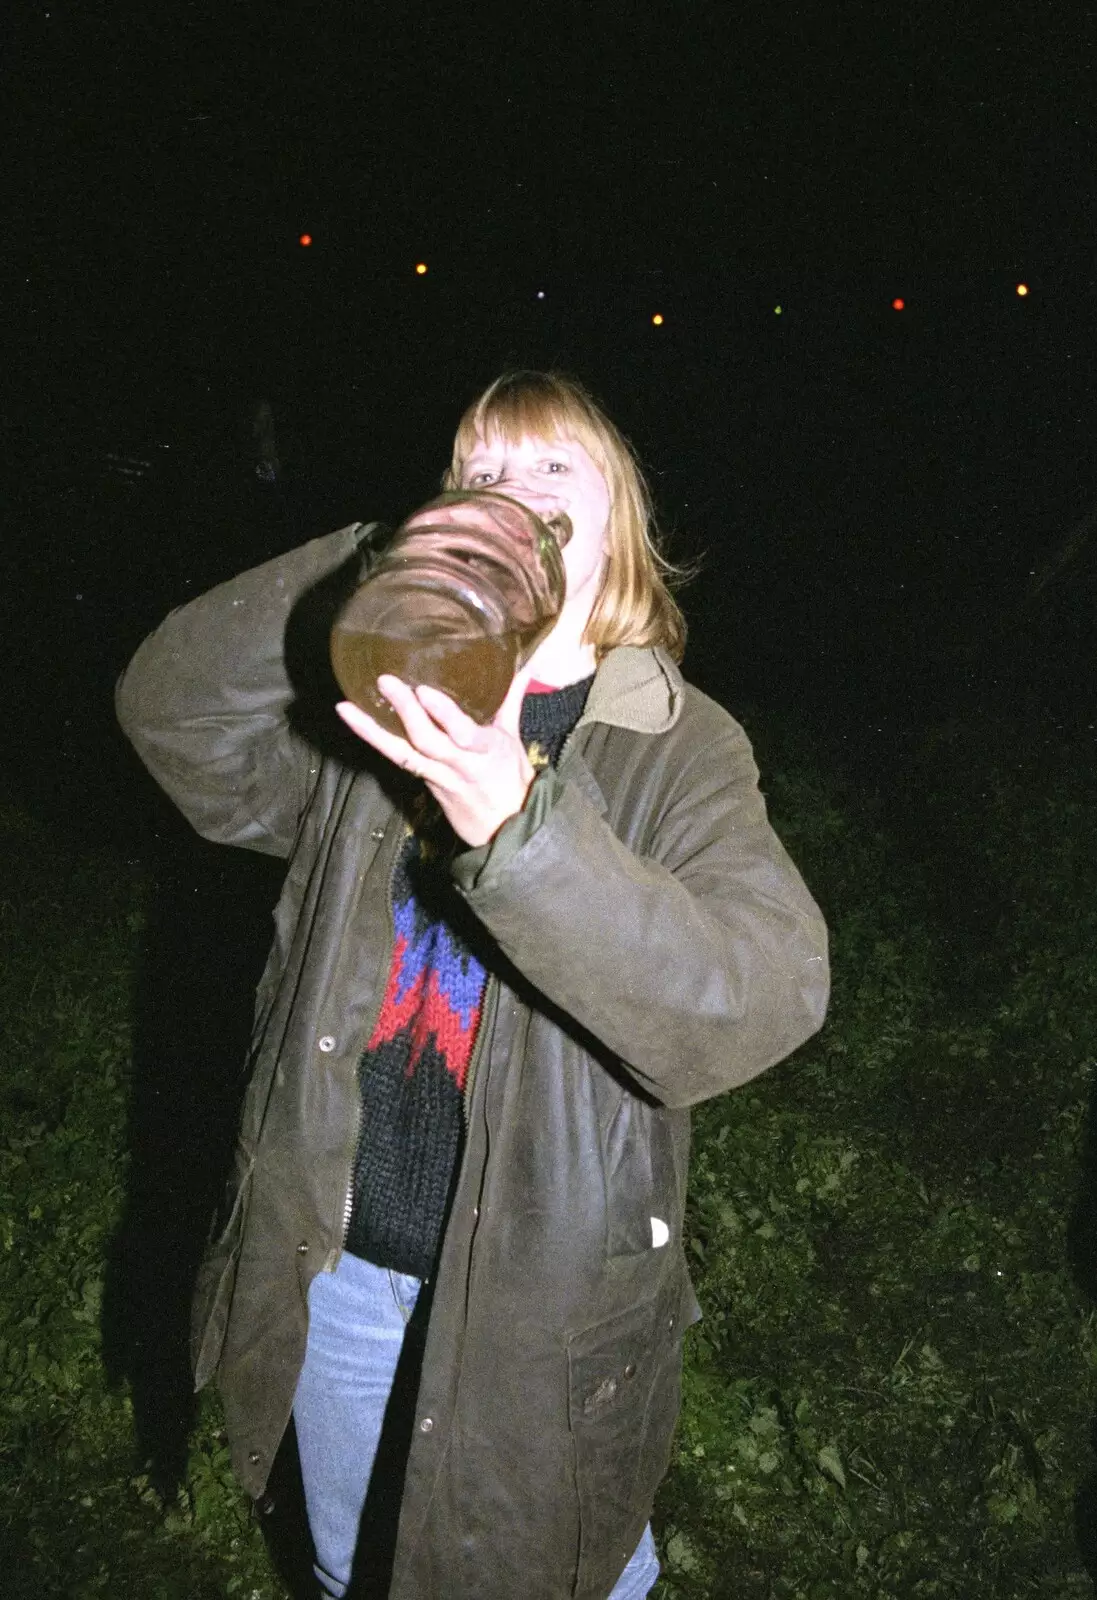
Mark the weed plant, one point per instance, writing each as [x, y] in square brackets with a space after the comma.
[892, 1235]
[892, 1389]
[81, 1514]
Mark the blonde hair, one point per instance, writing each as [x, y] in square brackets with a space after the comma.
[634, 604]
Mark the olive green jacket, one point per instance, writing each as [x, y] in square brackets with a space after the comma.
[656, 946]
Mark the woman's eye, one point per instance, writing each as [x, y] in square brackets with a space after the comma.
[554, 467]
[479, 479]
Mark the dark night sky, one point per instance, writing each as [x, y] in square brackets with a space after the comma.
[867, 485]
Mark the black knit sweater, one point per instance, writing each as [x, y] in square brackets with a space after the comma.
[413, 1070]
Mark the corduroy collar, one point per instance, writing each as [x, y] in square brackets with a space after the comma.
[637, 688]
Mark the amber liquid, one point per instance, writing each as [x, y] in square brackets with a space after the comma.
[475, 672]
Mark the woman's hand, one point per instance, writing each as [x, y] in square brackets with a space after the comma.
[479, 776]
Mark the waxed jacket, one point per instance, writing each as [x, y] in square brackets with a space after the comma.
[655, 946]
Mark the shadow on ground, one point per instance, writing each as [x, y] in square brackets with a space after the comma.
[207, 931]
[1082, 1250]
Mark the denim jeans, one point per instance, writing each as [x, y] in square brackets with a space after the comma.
[358, 1317]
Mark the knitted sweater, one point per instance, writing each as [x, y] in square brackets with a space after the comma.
[412, 1072]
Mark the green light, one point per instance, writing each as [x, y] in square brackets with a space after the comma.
[777, 310]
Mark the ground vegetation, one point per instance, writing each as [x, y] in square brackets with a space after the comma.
[893, 1235]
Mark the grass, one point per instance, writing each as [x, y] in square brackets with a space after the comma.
[892, 1390]
[80, 1511]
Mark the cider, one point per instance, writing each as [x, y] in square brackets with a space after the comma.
[474, 672]
[460, 600]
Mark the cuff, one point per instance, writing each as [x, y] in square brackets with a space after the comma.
[473, 867]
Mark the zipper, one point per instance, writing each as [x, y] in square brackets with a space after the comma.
[348, 1203]
[484, 1027]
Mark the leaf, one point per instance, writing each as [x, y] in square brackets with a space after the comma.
[829, 1461]
[680, 1554]
[765, 1422]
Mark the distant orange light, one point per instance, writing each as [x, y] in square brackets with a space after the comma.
[897, 304]
[1022, 289]
[420, 267]
[657, 319]
[305, 240]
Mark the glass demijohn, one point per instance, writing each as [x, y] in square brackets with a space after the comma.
[469, 586]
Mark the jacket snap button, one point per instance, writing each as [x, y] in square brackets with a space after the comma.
[302, 1248]
[426, 1425]
[377, 834]
[254, 1457]
[327, 1044]
[671, 1324]
[630, 1370]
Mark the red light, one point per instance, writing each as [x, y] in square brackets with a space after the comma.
[305, 240]
[897, 304]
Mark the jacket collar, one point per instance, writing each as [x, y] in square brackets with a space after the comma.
[635, 687]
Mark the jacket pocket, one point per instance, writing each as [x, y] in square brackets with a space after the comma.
[213, 1289]
[624, 1379]
[641, 1178]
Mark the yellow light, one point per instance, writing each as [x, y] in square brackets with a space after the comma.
[420, 267]
[1022, 289]
[657, 319]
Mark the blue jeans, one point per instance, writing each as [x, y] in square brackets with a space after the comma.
[358, 1316]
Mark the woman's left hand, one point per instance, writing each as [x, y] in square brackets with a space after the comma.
[479, 776]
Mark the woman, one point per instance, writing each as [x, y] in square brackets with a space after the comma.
[507, 960]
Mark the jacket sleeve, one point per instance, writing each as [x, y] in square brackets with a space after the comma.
[206, 699]
[698, 963]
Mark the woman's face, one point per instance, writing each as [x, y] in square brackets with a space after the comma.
[550, 476]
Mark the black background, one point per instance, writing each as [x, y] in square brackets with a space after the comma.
[882, 499]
